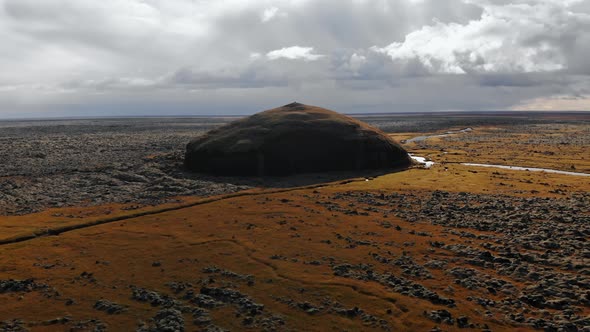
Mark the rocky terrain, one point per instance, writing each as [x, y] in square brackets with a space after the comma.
[55, 163]
[92, 162]
[528, 256]
[449, 248]
[311, 259]
[45, 164]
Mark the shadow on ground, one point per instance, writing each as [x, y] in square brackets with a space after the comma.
[289, 181]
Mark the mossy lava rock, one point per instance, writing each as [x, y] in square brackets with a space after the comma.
[292, 139]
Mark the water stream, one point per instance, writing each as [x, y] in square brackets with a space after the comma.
[531, 169]
[422, 160]
[429, 163]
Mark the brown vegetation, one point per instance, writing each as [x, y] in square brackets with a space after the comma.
[335, 256]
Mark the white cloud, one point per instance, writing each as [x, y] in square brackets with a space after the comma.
[269, 13]
[522, 37]
[357, 61]
[294, 53]
[90, 53]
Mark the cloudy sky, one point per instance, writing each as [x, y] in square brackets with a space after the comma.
[169, 57]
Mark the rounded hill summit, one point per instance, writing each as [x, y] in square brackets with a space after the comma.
[291, 139]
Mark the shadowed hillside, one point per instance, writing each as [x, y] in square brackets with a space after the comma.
[292, 139]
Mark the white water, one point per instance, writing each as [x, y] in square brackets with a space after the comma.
[422, 160]
[532, 169]
[428, 164]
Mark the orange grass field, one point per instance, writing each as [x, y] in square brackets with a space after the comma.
[288, 241]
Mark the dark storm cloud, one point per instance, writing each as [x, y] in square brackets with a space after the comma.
[354, 55]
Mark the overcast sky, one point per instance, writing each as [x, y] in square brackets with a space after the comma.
[169, 57]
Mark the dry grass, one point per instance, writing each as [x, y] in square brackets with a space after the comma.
[241, 234]
[544, 146]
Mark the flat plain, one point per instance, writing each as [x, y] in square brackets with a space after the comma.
[103, 230]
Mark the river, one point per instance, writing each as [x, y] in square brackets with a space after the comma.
[430, 163]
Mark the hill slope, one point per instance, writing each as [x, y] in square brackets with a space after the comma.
[295, 138]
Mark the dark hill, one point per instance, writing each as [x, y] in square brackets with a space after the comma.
[295, 138]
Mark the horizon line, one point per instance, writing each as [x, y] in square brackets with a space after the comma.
[180, 116]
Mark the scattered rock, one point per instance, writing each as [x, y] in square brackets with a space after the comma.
[166, 320]
[20, 286]
[109, 307]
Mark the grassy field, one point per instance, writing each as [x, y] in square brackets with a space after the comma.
[320, 258]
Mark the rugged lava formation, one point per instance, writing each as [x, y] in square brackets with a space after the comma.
[295, 138]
